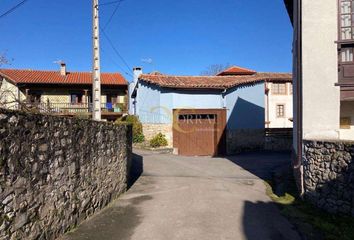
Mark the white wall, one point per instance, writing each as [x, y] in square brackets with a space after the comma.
[347, 110]
[273, 101]
[10, 94]
[321, 98]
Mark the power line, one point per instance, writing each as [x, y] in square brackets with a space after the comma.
[13, 9]
[109, 3]
[116, 50]
[118, 65]
[111, 17]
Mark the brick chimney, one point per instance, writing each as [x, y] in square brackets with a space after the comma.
[63, 69]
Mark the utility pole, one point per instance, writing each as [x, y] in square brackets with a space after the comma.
[96, 72]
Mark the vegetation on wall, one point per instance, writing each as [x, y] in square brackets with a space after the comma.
[138, 136]
[159, 141]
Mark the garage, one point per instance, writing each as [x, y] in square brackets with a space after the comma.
[199, 132]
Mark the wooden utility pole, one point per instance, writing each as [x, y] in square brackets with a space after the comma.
[96, 72]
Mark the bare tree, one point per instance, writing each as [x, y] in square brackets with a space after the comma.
[4, 59]
[214, 69]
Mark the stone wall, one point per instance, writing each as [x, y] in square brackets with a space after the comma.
[55, 172]
[151, 130]
[329, 175]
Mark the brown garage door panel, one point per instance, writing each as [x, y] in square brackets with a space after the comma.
[199, 131]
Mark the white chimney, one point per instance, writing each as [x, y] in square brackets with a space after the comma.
[63, 69]
[137, 71]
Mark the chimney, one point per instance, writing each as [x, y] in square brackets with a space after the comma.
[63, 69]
[137, 71]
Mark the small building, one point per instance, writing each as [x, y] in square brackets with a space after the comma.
[203, 115]
[62, 92]
[278, 99]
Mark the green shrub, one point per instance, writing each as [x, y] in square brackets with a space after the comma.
[138, 135]
[159, 141]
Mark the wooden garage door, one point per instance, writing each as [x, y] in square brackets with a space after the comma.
[199, 132]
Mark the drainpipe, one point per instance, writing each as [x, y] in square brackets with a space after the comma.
[299, 116]
[267, 102]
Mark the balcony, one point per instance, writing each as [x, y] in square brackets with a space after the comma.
[346, 81]
[110, 111]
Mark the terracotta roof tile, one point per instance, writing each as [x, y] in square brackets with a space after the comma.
[235, 70]
[54, 77]
[213, 82]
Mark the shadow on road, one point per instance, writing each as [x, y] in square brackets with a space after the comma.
[262, 164]
[136, 169]
[273, 228]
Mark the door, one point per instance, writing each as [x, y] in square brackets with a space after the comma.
[199, 132]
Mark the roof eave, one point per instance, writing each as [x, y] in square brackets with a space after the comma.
[289, 4]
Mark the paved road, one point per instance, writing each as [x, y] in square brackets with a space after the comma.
[191, 198]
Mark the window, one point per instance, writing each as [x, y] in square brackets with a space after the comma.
[111, 98]
[346, 40]
[76, 98]
[345, 122]
[346, 55]
[346, 19]
[279, 88]
[280, 110]
[34, 97]
[290, 88]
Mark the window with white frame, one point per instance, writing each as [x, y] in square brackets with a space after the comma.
[280, 110]
[279, 88]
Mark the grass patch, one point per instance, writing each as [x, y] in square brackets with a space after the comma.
[311, 222]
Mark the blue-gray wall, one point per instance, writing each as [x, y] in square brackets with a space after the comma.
[245, 105]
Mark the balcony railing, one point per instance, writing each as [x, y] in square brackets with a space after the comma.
[76, 108]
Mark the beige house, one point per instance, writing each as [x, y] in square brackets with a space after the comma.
[62, 92]
[278, 99]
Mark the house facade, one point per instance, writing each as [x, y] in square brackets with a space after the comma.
[62, 92]
[323, 100]
[203, 115]
[278, 99]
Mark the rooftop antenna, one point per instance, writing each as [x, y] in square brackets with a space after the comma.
[149, 61]
[59, 62]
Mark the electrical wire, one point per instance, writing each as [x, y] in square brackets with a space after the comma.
[111, 17]
[109, 3]
[113, 61]
[116, 50]
[13, 9]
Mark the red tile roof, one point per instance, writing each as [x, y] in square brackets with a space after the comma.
[235, 70]
[54, 77]
[213, 82]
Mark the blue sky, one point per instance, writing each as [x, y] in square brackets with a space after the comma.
[181, 37]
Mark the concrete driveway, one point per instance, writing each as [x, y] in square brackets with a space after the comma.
[197, 198]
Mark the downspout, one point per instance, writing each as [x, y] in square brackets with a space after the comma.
[299, 117]
[267, 102]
